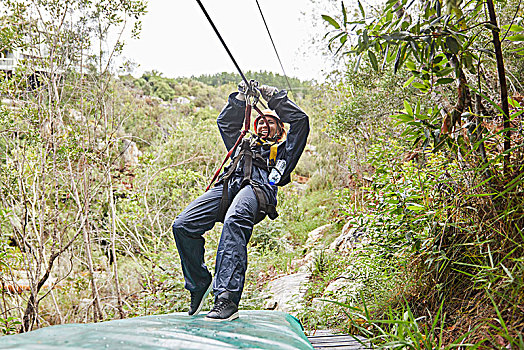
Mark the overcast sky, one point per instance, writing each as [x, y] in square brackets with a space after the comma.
[177, 40]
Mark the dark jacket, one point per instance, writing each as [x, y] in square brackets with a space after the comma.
[230, 122]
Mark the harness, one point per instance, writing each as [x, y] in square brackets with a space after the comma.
[251, 157]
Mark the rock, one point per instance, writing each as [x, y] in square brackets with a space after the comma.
[342, 287]
[318, 303]
[84, 303]
[312, 150]
[300, 187]
[286, 293]
[350, 237]
[130, 154]
[270, 304]
[77, 116]
[8, 102]
[336, 285]
[53, 126]
[152, 100]
[347, 227]
[316, 234]
[305, 264]
[23, 285]
[182, 100]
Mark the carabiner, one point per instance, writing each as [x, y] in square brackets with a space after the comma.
[253, 91]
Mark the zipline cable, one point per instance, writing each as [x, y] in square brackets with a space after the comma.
[227, 49]
[274, 47]
[247, 117]
[223, 42]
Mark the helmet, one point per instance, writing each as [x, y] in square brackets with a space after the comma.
[281, 132]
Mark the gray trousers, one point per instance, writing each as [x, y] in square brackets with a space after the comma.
[231, 259]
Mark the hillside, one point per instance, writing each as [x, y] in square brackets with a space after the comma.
[110, 189]
[403, 220]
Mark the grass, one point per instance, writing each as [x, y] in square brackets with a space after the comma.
[275, 244]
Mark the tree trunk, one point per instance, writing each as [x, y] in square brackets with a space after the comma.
[503, 84]
[97, 313]
[113, 247]
[32, 304]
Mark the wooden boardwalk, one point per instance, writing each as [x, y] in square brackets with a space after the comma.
[326, 341]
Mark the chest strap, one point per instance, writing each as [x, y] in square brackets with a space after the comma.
[250, 158]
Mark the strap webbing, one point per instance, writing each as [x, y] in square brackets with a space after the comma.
[247, 121]
[273, 154]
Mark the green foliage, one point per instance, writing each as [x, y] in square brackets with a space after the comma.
[13, 29]
[300, 212]
[401, 328]
[202, 90]
[9, 325]
[322, 263]
[263, 77]
[96, 167]
[436, 49]
[130, 207]
[6, 255]
[398, 198]
[274, 244]
[431, 193]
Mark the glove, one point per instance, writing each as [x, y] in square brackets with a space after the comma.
[242, 88]
[267, 92]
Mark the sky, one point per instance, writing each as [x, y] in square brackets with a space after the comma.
[177, 40]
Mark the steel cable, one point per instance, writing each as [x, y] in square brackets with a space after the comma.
[223, 42]
[274, 46]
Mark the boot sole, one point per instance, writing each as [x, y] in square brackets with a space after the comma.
[230, 318]
[203, 300]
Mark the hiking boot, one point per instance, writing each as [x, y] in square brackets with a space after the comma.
[197, 300]
[224, 310]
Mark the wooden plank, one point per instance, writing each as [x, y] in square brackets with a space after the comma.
[339, 342]
[339, 347]
[334, 341]
[342, 337]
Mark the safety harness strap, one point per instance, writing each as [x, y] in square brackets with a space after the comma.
[248, 165]
[247, 121]
[224, 203]
[264, 206]
[273, 154]
[250, 158]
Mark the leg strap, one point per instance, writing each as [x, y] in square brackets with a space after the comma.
[264, 207]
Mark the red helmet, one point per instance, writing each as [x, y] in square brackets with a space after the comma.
[281, 132]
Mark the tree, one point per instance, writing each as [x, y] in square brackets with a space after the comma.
[439, 47]
[465, 130]
[58, 171]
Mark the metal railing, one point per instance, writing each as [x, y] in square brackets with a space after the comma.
[35, 64]
[7, 63]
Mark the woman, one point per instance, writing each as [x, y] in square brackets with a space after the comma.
[242, 197]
